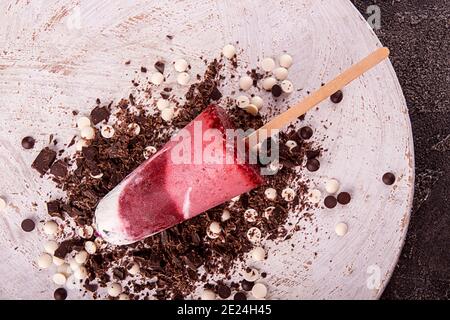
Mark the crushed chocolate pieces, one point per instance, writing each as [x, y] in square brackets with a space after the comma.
[44, 160]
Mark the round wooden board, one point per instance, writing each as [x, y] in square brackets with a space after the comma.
[50, 65]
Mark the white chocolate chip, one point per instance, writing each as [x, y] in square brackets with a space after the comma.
[226, 215]
[252, 109]
[242, 102]
[97, 176]
[341, 229]
[286, 61]
[251, 275]
[258, 254]
[288, 194]
[181, 65]
[291, 144]
[236, 199]
[157, 78]
[259, 291]
[251, 215]
[314, 196]
[124, 296]
[268, 64]
[83, 122]
[134, 269]
[85, 232]
[268, 83]
[50, 228]
[87, 133]
[211, 234]
[183, 78]
[81, 144]
[268, 212]
[229, 51]
[167, 114]
[162, 104]
[287, 86]
[114, 289]
[281, 73]
[81, 273]
[332, 186]
[59, 278]
[257, 101]
[2, 204]
[149, 151]
[81, 257]
[50, 247]
[57, 261]
[215, 227]
[270, 194]
[44, 261]
[208, 295]
[245, 83]
[134, 129]
[254, 235]
[107, 132]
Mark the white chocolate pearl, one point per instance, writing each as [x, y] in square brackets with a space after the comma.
[59, 278]
[270, 193]
[50, 247]
[286, 61]
[157, 78]
[64, 269]
[149, 151]
[259, 291]
[251, 215]
[341, 229]
[245, 83]
[87, 133]
[281, 73]
[181, 65]
[44, 261]
[268, 212]
[215, 227]
[114, 289]
[107, 132]
[50, 228]
[332, 186]
[124, 296]
[85, 232]
[253, 110]
[134, 270]
[242, 102]
[162, 104]
[288, 194]
[183, 78]
[167, 114]
[229, 51]
[268, 64]
[2, 204]
[81, 257]
[291, 144]
[268, 83]
[134, 128]
[226, 215]
[81, 144]
[287, 86]
[83, 122]
[208, 295]
[257, 101]
[252, 275]
[211, 234]
[314, 196]
[259, 254]
[57, 261]
[81, 273]
[74, 265]
[254, 235]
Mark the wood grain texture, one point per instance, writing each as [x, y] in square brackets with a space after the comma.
[47, 70]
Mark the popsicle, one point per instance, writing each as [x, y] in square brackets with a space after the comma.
[165, 191]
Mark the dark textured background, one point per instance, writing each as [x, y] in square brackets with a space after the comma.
[418, 34]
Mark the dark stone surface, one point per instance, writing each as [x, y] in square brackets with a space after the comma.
[417, 32]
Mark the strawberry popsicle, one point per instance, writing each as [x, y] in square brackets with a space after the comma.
[175, 185]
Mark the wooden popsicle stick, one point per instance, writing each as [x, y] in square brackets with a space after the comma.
[320, 95]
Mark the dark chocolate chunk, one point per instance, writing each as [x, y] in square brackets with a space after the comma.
[240, 296]
[67, 246]
[59, 169]
[389, 178]
[276, 91]
[44, 160]
[224, 291]
[119, 273]
[337, 96]
[247, 285]
[99, 114]
[54, 208]
[160, 66]
[60, 294]
[312, 154]
[344, 198]
[216, 94]
[330, 202]
[143, 69]
[306, 133]
[313, 165]
[28, 143]
[170, 37]
[90, 153]
[28, 225]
